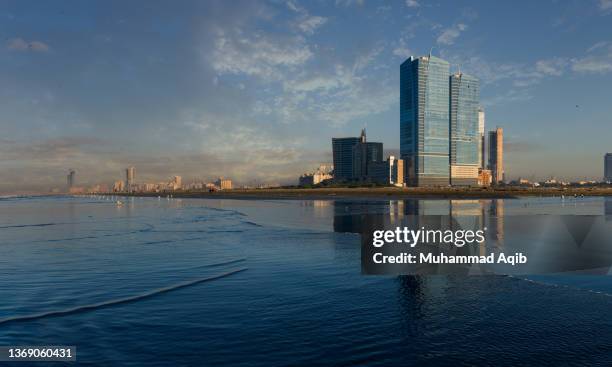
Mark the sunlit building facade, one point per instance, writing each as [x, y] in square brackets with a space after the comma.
[481, 135]
[464, 129]
[424, 120]
[496, 155]
[130, 174]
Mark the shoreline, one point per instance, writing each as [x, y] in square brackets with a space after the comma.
[377, 193]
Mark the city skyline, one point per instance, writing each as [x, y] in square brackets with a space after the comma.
[253, 90]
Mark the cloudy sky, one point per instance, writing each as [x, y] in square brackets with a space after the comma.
[255, 90]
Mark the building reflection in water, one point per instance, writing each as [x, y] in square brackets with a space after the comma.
[355, 216]
[495, 226]
[416, 291]
[608, 208]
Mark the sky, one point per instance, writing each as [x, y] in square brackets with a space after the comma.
[255, 90]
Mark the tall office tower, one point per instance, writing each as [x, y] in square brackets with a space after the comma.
[608, 167]
[71, 178]
[496, 155]
[342, 149]
[481, 134]
[424, 120]
[364, 153]
[353, 156]
[464, 136]
[130, 174]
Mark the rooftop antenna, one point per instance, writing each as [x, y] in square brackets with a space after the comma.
[431, 50]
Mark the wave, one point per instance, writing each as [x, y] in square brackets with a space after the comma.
[117, 301]
[29, 225]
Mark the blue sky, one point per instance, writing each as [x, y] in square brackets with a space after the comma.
[255, 90]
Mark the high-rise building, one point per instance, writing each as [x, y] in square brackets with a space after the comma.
[608, 167]
[424, 120]
[353, 156]
[464, 136]
[342, 149]
[130, 174]
[71, 179]
[177, 182]
[481, 135]
[364, 153]
[118, 186]
[496, 155]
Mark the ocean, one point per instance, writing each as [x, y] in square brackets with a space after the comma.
[206, 282]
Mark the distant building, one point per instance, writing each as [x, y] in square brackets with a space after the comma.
[342, 151]
[424, 120]
[224, 183]
[364, 155]
[323, 173]
[76, 190]
[496, 155]
[464, 135]
[608, 167]
[389, 172]
[352, 157]
[119, 186]
[71, 179]
[397, 171]
[177, 183]
[481, 136]
[484, 177]
[130, 175]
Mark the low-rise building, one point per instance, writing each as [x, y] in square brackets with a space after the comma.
[224, 183]
[485, 177]
[119, 186]
[389, 172]
[323, 173]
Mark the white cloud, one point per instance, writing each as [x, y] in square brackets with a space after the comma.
[258, 55]
[309, 24]
[402, 50]
[605, 5]
[598, 60]
[305, 22]
[593, 66]
[19, 44]
[350, 2]
[412, 3]
[552, 67]
[449, 35]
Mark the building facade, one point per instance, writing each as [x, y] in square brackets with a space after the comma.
[388, 172]
[464, 125]
[496, 155]
[354, 156]
[608, 167]
[482, 138]
[424, 120]
[323, 173]
[71, 179]
[224, 183]
[342, 151]
[130, 174]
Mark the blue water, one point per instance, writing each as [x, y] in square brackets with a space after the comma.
[160, 282]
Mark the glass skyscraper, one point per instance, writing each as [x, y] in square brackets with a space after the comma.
[424, 120]
[464, 129]
[353, 157]
[342, 149]
[608, 167]
[496, 155]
